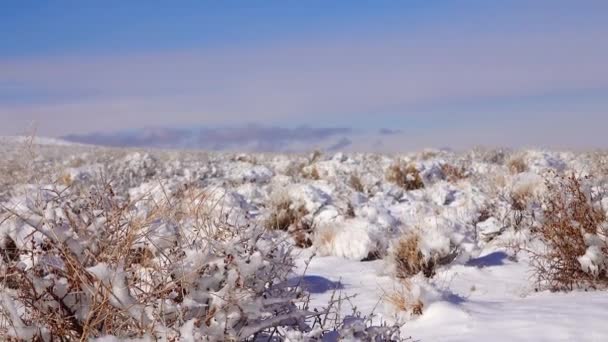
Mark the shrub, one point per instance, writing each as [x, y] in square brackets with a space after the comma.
[452, 173]
[349, 239]
[403, 299]
[86, 265]
[284, 213]
[289, 217]
[350, 210]
[574, 231]
[407, 177]
[492, 156]
[315, 155]
[409, 259]
[520, 201]
[355, 182]
[314, 174]
[517, 164]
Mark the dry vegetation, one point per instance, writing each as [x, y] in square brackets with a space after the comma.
[100, 267]
[92, 261]
[453, 173]
[402, 299]
[312, 174]
[117, 274]
[408, 177]
[409, 260]
[288, 217]
[574, 226]
[517, 163]
[355, 182]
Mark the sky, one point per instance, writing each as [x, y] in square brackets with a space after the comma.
[443, 73]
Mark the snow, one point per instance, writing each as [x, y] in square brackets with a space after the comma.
[481, 290]
[17, 139]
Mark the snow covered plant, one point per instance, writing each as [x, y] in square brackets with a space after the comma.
[408, 177]
[290, 216]
[414, 253]
[87, 265]
[574, 231]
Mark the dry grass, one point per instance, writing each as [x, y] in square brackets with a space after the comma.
[350, 210]
[452, 173]
[312, 174]
[315, 156]
[289, 217]
[324, 238]
[145, 284]
[407, 177]
[65, 179]
[355, 182]
[517, 163]
[409, 260]
[284, 214]
[295, 170]
[428, 154]
[402, 299]
[520, 202]
[57, 313]
[570, 217]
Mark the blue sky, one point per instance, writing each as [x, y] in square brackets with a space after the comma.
[425, 67]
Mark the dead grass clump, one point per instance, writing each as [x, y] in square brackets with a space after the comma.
[324, 238]
[452, 173]
[520, 201]
[485, 213]
[288, 217]
[302, 233]
[65, 179]
[521, 198]
[284, 214]
[350, 210]
[407, 177]
[355, 182]
[517, 164]
[312, 174]
[409, 260]
[572, 226]
[295, 169]
[315, 155]
[403, 300]
[429, 154]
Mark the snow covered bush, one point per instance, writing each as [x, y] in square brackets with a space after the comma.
[84, 265]
[410, 260]
[355, 182]
[574, 232]
[453, 173]
[408, 177]
[311, 173]
[517, 163]
[351, 238]
[405, 299]
[289, 216]
[415, 253]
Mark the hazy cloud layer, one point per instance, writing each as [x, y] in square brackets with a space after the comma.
[249, 137]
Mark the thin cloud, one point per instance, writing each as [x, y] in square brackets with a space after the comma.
[251, 137]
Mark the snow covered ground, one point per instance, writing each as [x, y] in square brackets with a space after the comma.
[346, 215]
